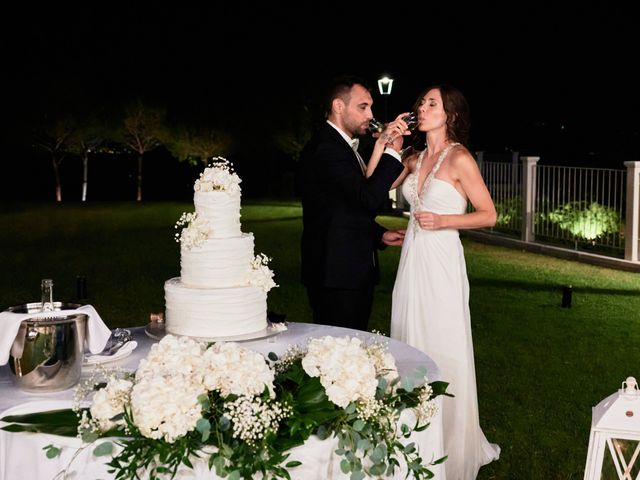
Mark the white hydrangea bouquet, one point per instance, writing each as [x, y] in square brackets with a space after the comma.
[244, 413]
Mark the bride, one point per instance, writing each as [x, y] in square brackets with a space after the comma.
[430, 309]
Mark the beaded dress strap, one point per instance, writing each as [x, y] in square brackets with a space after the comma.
[436, 167]
[427, 181]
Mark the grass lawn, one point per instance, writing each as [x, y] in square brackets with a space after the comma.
[540, 368]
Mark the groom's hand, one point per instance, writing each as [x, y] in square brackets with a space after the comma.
[393, 237]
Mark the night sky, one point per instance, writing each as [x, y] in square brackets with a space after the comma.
[542, 80]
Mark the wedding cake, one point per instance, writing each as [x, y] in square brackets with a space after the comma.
[222, 288]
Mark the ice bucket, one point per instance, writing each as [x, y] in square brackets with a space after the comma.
[47, 354]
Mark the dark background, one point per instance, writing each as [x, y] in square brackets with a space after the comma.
[541, 79]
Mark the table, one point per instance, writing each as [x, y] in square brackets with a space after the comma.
[21, 454]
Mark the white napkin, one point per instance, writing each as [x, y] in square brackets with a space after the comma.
[124, 351]
[96, 337]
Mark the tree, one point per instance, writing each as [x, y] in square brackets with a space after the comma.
[294, 132]
[195, 145]
[143, 128]
[53, 136]
[92, 137]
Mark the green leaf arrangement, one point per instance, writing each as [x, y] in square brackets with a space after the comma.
[372, 440]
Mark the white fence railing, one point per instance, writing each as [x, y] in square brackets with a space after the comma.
[574, 208]
[586, 209]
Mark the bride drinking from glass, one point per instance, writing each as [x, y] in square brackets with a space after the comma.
[430, 309]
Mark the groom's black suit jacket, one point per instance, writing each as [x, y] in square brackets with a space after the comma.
[340, 236]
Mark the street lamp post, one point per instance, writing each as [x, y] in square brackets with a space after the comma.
[385, 84]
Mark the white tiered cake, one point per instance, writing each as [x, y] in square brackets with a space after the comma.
[222, 290]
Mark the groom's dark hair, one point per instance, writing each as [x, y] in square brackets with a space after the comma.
[339, 87]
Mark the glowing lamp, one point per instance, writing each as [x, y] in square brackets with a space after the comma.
[614, 443]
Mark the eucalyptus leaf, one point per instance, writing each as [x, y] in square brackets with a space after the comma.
[89, 436]
[410, 448]
[52, 451]
[357, 475]
[378, 469]
[105, 448]
[358, 425]
[224, 423]
[378, 454]
[322, 432]
[364, 444]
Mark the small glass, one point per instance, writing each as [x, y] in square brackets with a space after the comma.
[378, 127]
[46, 288]
[411, 120]
[375, 126]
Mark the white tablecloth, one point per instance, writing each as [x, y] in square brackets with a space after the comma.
[21, 454]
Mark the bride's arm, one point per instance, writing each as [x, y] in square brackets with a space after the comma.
[408, 162]
[373, 163]
[395, 130]
[378, 150]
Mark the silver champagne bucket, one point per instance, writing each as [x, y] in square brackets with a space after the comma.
[47, 353]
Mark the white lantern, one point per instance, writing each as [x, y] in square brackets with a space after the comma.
[614, 443]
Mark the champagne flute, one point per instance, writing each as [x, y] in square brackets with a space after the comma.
[375, 126]
[411, 119]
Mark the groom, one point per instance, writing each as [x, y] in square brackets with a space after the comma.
[339, 206]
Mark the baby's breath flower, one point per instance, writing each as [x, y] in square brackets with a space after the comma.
[195, 230]
[369, 408]
[252, 418]
[260, 274]
[427, 407]
[288, 358]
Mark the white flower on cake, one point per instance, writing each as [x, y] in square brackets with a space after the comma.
[260, 274]
[346, 371]
[218, 176]
[195, 230]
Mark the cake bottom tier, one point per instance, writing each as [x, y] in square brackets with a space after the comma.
[213, 312]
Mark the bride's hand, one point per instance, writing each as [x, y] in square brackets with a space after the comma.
[428, 220]
[394, 131]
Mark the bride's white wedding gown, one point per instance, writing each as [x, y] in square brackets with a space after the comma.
[430, 311]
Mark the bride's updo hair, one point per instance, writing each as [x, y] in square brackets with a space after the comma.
[457, 110]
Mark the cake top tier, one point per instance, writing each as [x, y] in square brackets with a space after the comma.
[218, 177]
